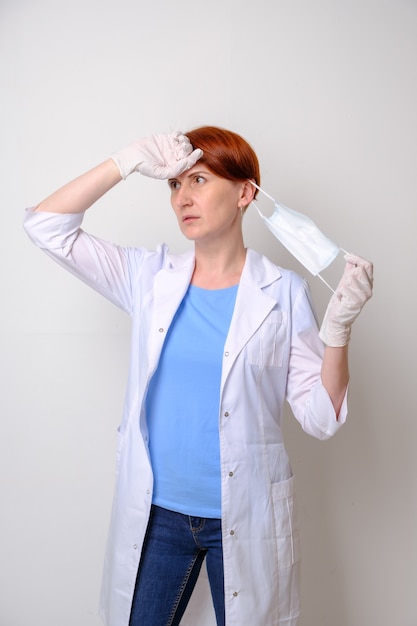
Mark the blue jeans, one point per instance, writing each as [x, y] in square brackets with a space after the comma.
[174, 550]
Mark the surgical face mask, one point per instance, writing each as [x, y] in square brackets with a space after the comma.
[299, 234]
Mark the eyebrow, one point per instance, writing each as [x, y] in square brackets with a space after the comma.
[189, 174]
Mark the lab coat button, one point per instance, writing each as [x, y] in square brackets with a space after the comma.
[235, 594]
[226, 413]
[232, 532]
[135, 547]
[161, 330]
[226, 354]
[230, 473]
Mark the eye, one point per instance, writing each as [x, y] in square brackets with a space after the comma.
[199, 179]
[173, 184]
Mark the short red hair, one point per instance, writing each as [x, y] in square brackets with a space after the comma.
[226, 153]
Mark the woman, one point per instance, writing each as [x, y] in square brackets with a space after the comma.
[221, 337]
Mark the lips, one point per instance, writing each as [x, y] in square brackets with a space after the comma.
[189, 218]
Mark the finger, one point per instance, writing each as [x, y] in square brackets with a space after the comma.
[188, 162]
[355, 279]
[183, 146]
[355, 287]
[358, 261]
[359, 284]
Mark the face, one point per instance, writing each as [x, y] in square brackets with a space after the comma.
[207, 206]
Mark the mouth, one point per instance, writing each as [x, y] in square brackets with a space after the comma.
[189, 218]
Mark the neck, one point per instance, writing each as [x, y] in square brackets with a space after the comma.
[218, 268]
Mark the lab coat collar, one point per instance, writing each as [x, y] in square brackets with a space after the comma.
[170, 286]
[252, 303]
[257, 269]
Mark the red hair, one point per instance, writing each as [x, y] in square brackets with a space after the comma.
[225, 153]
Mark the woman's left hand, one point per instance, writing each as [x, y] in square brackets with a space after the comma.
[352, 293]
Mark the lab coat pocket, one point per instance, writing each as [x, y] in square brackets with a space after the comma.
[287, 531]
[266, 347]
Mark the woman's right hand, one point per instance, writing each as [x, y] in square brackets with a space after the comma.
[158, 156]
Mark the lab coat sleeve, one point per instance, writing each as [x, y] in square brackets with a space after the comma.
[308, 398]
[108, 268]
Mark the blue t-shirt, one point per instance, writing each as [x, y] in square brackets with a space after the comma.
[182, 405]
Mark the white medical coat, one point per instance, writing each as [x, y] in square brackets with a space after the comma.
[272, 354]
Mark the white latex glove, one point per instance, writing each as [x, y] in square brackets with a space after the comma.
[157, 156]
[352, 292]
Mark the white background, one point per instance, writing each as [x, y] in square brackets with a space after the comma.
[325, 91]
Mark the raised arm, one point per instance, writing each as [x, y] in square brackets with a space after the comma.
[353, 291]
[78, 195]
[157, 156]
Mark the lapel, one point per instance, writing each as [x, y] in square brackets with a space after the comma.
[252, 306]
[169, 288]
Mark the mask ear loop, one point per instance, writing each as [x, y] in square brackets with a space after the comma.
[262, 191]
[265, 194]
[275, 202]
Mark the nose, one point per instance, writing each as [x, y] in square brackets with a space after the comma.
[183, 196]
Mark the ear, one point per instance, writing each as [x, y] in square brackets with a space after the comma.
[248, 193]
